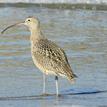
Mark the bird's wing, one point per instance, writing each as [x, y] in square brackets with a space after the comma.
[53, 51]
[56, 57]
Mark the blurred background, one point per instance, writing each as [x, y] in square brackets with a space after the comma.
[54, 1]
[79, 27]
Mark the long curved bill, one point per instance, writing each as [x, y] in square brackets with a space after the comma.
[20, 23]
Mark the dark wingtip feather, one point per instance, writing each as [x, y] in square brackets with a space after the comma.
[75, 76]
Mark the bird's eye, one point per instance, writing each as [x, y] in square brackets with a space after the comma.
[28, 20]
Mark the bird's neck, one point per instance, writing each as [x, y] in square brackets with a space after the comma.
[36, 34]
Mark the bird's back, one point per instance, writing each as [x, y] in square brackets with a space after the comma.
[51, 59]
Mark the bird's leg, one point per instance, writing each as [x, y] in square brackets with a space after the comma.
[56, 80]
[44, 84]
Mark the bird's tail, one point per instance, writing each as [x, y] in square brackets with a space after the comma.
[75, 76]
[72, 77]
[69, 74]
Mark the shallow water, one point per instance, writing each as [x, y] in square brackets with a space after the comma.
[83, 36]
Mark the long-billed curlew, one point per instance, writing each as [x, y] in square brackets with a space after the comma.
[47, 56]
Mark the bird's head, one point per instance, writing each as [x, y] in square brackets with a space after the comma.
[30, 22]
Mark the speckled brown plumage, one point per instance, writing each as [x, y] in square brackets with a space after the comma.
[51, 59]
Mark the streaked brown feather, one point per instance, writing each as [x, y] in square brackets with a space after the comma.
[52, 58]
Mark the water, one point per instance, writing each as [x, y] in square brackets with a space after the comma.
[83, 36]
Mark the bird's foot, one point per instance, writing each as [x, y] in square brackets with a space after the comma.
[59, 95]
[45, 94]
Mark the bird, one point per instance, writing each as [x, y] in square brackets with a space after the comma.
[47, 55]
